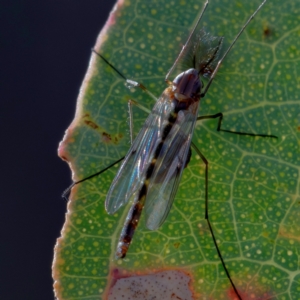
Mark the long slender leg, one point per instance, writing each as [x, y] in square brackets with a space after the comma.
[130, 103]
[130, 120]
[220, 116]
[140, 106]
[208, 221]
[130, 83]
[66, 192]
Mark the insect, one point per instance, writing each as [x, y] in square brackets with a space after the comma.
[152, 169]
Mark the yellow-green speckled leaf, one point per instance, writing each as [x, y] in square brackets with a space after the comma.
[254, 201]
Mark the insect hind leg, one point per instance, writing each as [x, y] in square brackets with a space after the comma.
[130, 103]
[67, 191]
[220, 116]
[205, 161]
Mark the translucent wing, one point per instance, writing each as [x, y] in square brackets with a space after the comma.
[131, 174]
[168, 168]
[202, 53]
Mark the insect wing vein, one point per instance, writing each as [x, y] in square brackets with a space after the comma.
[168, 170]
[131, 174]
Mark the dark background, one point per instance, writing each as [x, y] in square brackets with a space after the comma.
[45, 48]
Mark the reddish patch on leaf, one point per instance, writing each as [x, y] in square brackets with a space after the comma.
[112, 17]
[106, 137]
[232, 294]
[256, 294]
[64, 158]
[284, 232]
[160, 284]
[67, 140]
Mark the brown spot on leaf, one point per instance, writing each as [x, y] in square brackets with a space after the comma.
[173, 296]
[267, 31]
[91, 124]
[106, 137]
[176, 245]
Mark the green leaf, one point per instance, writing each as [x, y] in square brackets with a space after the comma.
[253, 182]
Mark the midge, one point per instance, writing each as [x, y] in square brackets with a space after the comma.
[151, 171]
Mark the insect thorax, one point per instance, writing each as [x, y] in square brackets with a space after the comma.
[187, 85]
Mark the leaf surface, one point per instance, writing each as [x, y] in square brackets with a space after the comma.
[253, 182]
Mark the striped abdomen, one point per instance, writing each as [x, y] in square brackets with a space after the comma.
[135, 211]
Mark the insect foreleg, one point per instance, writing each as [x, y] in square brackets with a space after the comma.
[229, 48]
[131, 83]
